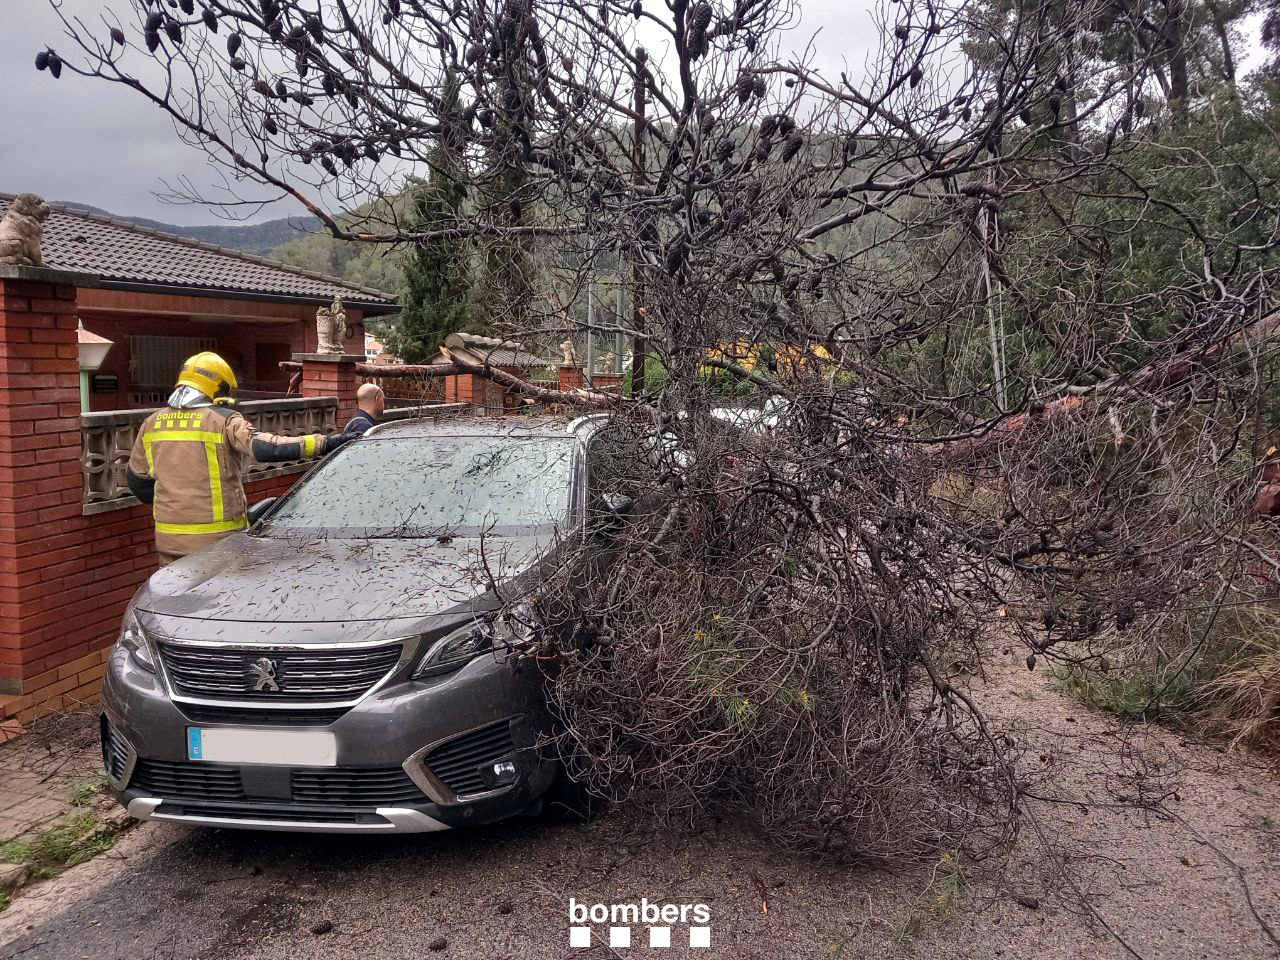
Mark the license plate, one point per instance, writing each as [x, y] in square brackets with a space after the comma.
[286, 748]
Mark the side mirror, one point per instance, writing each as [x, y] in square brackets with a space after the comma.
[258, 509]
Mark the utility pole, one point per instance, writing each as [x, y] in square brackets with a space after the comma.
[638, 342]
[589, 369]
[619, 338]
[995, 323]
[989, 231]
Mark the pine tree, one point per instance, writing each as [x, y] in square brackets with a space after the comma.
[504, 288]
[437, 293]
[436, 296]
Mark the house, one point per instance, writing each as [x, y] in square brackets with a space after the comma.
[108, 318]
[159, 298]
[375, 351]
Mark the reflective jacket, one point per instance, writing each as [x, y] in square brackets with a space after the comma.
[188, 462]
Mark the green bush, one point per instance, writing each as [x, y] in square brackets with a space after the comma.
[1136, 693]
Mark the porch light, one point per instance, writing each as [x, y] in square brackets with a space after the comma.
[93, 350]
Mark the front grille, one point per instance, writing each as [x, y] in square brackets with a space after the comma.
[204, 781]
[115, 754]
[457, 763]
[298, 717]
[197, 782]
[277, 676]
[355, 787]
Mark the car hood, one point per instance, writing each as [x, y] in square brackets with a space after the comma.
[292, 580]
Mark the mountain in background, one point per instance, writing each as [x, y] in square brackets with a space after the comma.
[368, 264]
[259, 238]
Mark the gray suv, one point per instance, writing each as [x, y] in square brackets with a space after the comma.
[343, 666]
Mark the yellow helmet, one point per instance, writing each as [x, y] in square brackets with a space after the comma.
[209, 374]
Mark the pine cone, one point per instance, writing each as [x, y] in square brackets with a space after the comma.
[794, 143]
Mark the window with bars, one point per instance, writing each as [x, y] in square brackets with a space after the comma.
[156, 361]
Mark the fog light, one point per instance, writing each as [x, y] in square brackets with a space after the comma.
[504, 772]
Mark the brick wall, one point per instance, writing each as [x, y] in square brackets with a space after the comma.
[76, 598]
[463, 388]
[65, 578]
[40, 524]
[489, 397]
[571, 377]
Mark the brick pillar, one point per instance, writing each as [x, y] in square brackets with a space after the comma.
[41, 486]
[332, 375]
[464, 388]
[571, 377]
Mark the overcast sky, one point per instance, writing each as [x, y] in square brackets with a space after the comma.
[93, 142]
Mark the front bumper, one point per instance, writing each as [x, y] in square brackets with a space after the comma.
[410, 757]
[381, 820]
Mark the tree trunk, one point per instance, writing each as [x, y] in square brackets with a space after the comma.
[1175, 43]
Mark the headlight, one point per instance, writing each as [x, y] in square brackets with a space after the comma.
[468, 642]
[135, 641]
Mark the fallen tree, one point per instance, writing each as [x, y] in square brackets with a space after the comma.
[585, 397]
[1005, 248]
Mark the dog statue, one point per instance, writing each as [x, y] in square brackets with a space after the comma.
[22, 230]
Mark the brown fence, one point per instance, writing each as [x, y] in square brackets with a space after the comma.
[415, 389]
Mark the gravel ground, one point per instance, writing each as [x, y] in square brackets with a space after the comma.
[1142, 844]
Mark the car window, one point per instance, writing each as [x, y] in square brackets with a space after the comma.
[433, 486]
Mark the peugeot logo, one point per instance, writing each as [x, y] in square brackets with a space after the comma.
[263, 671]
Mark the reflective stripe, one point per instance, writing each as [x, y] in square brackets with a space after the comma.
[215, 480]
[309, 445]
[211, 440]
[204, 436]
[221, 527]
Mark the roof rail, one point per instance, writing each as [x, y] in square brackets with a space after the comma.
[579, 422]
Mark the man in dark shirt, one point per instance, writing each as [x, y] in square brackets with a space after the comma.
[371, 401]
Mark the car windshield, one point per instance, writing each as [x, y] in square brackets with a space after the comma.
[433, 486]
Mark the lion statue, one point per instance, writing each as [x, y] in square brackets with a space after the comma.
[22, 229]
[331, 328]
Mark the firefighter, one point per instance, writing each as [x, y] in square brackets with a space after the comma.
[189, 457]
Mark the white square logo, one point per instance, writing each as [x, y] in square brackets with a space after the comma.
[656, 918]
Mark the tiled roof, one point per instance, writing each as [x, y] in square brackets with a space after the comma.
[124, 253]
[498, 353]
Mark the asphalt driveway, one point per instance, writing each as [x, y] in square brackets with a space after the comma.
[1191, 872]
